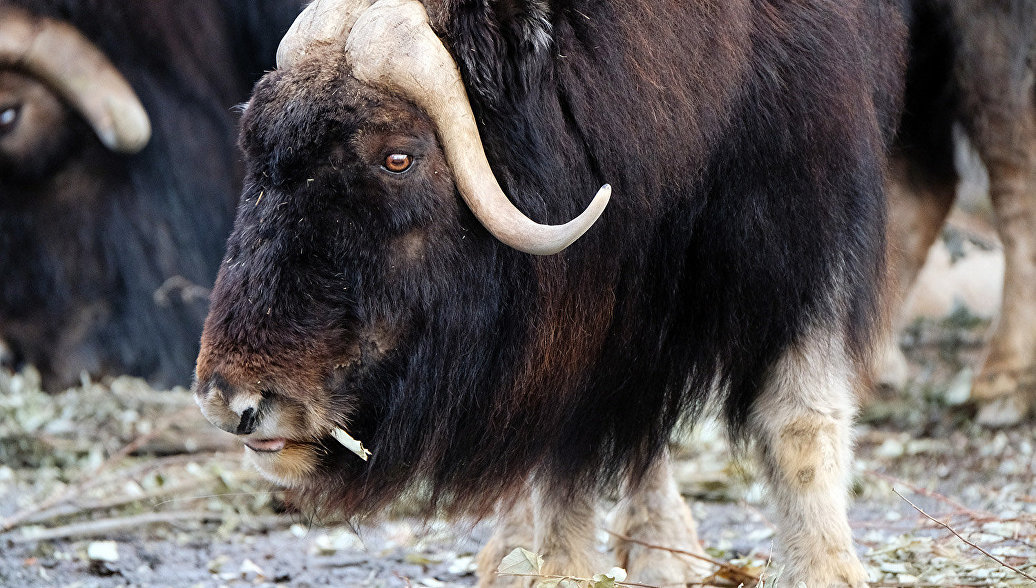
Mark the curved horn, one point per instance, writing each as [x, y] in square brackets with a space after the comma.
[69, 63]
[322, 20]
[392, 47]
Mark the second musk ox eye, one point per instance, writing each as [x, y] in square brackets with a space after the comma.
[398, 163]
[8, 118]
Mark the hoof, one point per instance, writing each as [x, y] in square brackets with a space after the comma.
[892, 372]
[1004, 397]
[994, 384]
[843, 572]
[1005, 411]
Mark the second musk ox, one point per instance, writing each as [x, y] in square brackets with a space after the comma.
[973, 63]
[117, 175]
[379, 280]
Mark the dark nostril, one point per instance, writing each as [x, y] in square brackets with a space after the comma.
[248, 422]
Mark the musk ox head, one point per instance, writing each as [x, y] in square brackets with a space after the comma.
[362, 289]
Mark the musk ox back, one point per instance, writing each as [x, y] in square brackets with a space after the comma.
[377, 284]
[109, 240]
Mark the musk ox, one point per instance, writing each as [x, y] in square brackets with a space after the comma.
[117, 175]
[379, 286]
[973, 63]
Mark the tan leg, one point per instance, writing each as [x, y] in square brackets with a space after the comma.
[514, 528]
[566, 533]
[561, 529]
[1000, 104]
[1006, 385]
[918, 207]
[656, 513]
[802, 425]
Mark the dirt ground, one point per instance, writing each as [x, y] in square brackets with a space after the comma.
[116, 484]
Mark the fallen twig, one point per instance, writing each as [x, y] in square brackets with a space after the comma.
[76, 508]
[974, 514]
[575, 579]
[139, 442]
[958, 535]
[741, 575]
[924, 585]
[107, 526]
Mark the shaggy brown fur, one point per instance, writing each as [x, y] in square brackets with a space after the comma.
[738, 263]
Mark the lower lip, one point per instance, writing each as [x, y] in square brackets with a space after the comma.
[265, 445]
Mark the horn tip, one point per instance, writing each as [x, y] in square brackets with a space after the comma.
[129, 130]
[601, 199]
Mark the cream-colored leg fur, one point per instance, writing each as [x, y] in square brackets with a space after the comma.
[656, 513]
[802, 426]
[566, 533]
[514, 528]
[562, 530]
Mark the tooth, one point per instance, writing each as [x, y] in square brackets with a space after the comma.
[349, 443]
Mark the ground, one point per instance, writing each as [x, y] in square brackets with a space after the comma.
[113, 483]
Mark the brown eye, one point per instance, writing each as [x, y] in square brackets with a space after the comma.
[398, 163]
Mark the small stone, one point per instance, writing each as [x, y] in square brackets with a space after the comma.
[106, 551]
[894, 567]
[959, 389]
[250, 571]
[462, 566]
[337, 540]
[891, 448]
[215, 565]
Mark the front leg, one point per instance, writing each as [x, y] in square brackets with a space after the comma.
[802, 426]
[514, 528]
[561, 528]
[566, 527]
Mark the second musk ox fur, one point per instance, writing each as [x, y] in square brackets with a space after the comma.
[118, 176]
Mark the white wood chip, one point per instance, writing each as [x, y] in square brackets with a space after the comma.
[351, 444]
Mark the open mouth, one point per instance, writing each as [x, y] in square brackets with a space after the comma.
[266, 445]
[292, 463]
[277, 444]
